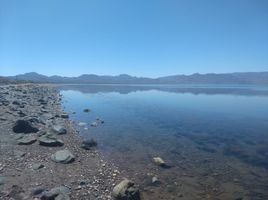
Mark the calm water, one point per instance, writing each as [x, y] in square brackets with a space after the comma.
[214, 138]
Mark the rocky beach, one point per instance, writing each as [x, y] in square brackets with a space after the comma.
[43, 157]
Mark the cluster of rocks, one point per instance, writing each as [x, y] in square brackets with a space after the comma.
[44, 140]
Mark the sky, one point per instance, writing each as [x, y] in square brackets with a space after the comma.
[142, 38]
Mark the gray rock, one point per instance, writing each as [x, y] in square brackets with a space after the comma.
[2, 180]
[57, 193]
[37, 166]
[63, 156]
[126, 190]
[26, 140]
[37, 190]
[19, 154]
[58, 129]
[82, 124]
[159, 161]
[24, 126]
[50, 140]
[88, 144]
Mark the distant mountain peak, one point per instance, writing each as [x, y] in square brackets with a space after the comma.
[197, 78]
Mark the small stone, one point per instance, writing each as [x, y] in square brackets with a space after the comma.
[37, 166]
[94, 124]
[38, 190]
[86, 110]
[50, 140]
[63, 156]
[58, 129]
[82, 124]
[126, 190]
[64, 115]
[88, 144]
[159, 161]
[57, 193]
[2, 180]
[26, 140]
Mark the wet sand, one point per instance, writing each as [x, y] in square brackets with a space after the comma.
[28, 169]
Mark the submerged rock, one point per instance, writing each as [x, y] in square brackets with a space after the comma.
[94, 124]
[24, 126]
[63, 156]
[57, 193]
[159, 161]
[82, 124]
[86, 110]
[88, 144]
[126, 190]
[26, 140]
[50, 140]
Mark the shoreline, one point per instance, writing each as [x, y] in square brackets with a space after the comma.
[89, 176]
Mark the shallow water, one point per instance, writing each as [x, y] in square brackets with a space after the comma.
[214, 138]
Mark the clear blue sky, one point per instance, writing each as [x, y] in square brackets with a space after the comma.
[138, 37]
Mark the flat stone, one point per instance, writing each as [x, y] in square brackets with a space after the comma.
[26, 140]
[50, 140]
[63, 156]
[58, 129]
[37, 166]
[126, 190]
[57, 193]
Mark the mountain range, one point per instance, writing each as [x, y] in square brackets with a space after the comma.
[210, 78]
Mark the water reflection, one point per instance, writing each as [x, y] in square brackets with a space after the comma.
[216, 142]
[247, 90]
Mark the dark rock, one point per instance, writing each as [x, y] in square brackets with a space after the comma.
[86, 110]
[50, 140]
[63, 156]
[26, 140]
[64, 115]
[58, 129]
[126, 190]
[38, 190]
[57, 193]
[16, 102]
[24, 126]
[88, 144]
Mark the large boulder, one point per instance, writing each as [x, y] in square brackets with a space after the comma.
[50, 140]
[126, 190]
[24, 126]
[63, 156]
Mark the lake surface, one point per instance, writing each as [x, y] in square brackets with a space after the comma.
[214, 138]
